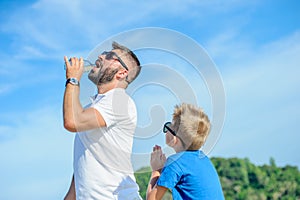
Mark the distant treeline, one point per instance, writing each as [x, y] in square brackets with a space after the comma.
[243, 180]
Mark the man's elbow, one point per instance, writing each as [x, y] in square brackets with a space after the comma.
[70, 125]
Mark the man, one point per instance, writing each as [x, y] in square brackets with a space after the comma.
[105, 128]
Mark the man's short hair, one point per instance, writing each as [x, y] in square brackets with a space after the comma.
[135, 63]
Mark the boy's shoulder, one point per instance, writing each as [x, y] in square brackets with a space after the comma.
[185, 155]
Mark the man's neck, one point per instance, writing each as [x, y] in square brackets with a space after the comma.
[106, 87]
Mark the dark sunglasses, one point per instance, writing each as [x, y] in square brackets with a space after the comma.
[167, 128]
[109, 55]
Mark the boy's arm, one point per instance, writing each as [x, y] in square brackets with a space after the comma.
[155, 192]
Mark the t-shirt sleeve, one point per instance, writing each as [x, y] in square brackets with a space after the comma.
[170, 175]
[105, 108]
[116, 108]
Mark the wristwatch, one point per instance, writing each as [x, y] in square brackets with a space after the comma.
[73, 81]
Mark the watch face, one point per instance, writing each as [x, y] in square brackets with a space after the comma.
[73, 81]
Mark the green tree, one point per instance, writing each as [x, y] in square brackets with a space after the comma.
[242, 180]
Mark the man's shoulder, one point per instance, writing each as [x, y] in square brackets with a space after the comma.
[118, 94]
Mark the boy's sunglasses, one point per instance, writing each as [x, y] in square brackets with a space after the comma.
[167, 128]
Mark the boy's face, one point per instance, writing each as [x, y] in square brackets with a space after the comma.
[169, 137]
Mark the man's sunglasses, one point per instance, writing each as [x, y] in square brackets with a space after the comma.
[167, 128]
[110, 55]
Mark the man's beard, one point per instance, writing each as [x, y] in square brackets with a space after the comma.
[102, 77]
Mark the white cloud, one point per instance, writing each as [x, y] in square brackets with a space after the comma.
[262, 102]
[274, 67]
[37, 154]
[59, 26]
[261, 84]
[6, 88]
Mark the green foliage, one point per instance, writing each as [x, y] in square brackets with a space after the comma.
[142, 178]
[242, 180]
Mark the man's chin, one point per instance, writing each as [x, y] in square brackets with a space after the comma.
[95, 79]
[93, 70]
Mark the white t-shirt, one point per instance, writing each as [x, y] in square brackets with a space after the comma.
[102, 157]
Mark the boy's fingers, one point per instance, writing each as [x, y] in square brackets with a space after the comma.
[164, 157]
[156, 147]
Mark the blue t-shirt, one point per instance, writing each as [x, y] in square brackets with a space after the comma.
[191, 175]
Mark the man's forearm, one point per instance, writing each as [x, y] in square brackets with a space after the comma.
[71, 107]
[71, 195]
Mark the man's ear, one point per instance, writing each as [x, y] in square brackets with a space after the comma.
[122, 74]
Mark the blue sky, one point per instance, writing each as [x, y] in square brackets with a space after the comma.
[255, 47]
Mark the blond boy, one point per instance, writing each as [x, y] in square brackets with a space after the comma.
[189, 173]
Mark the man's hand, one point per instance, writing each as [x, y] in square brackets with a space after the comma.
[158, 159]
[76, 118]
[74, 68]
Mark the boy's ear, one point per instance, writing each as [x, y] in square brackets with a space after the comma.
[176, 140]
[173, 141]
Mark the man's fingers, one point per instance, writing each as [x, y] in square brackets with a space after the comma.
[73, 61]
[66, 59]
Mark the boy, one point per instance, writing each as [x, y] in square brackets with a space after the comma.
[189, 174]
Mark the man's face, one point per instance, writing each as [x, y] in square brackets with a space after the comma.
[104, 71]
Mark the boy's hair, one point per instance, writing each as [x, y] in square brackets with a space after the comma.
[191, 125]
[134, 72]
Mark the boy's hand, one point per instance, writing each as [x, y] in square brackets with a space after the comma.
[158, 159]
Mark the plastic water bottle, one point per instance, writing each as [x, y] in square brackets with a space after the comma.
[87, 65]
